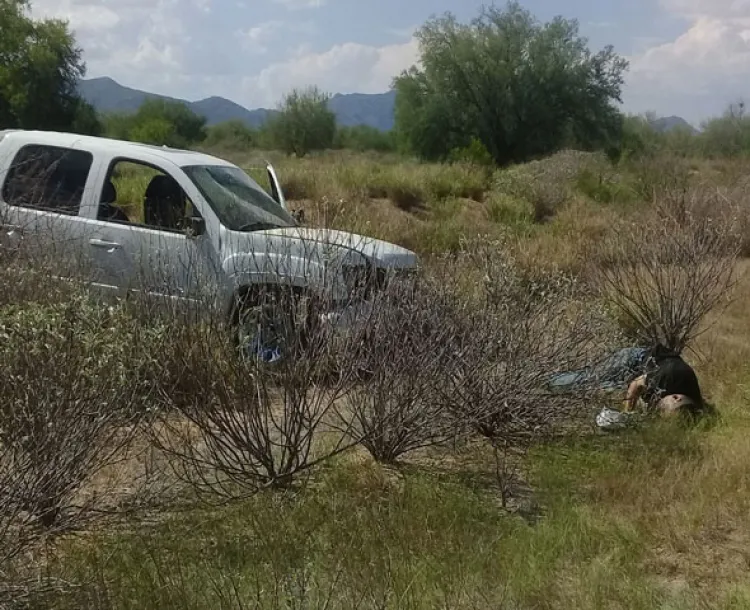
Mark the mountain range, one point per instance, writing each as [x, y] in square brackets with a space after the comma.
[372, 109]
[107, 95]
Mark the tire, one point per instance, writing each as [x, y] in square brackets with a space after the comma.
[270, 324]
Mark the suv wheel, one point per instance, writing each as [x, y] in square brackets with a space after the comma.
[271, 325]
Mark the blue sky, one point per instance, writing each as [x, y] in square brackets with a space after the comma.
[688, 57]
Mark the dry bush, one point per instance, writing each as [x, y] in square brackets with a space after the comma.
[397, 353]
[509, 343]
[234, 426]
[73, 379]
[664, 273]
[235, 422]
[74, 382]
[545, 184]
[657, 176]
[543, 191]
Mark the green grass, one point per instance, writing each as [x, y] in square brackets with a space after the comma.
[363, 536]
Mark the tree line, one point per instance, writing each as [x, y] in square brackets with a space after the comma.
[303, 124]
[504, 88]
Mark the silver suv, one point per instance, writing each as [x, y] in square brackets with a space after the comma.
[183, 225]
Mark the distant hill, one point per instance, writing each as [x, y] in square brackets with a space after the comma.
[669, 123]
[107, 95]
[374, 110]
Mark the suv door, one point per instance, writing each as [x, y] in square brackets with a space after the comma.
[142, 251]
[276, 192]
[44, 190]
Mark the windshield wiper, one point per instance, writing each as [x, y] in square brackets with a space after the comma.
[259, 226]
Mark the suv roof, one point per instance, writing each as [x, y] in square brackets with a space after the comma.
[111, 146]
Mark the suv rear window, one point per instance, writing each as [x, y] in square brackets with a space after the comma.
[48, 178]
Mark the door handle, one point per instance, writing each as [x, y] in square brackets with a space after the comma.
[11, 229]
[101, 243]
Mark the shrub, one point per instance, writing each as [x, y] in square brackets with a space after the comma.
[235, 424]
[475, 153]
[603, 185]
[76, 384]
[394, 404]
[656, 175]
[508, 210]
[509, 343]
[160, 122]
[457, 180]
[666, 272]
[364, 137]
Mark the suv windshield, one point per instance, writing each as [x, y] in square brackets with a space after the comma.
[239, 202]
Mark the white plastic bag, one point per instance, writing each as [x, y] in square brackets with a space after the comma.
[610, 419]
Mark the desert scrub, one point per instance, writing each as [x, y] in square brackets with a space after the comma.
[510, 211]
[408, 184]
[105, 346]
[546, 184]
[75, 380]
[655, 175]
[602, 183]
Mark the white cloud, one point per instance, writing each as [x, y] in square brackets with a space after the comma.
[258, 39]
[345, 68]
[703, 69]
[166, 46]
[125, 35]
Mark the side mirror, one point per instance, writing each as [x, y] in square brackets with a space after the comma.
[299, 216]
[196, 226]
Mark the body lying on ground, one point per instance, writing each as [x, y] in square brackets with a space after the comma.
[670, 386]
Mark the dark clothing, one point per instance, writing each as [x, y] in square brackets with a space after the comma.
[672, 375]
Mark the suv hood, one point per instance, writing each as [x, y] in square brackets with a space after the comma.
[380, 253]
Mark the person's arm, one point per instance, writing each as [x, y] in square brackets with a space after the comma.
[635, 390]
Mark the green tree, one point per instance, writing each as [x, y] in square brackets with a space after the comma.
[86, 120]
[727, 135]
[118, 125]
[156, 130]
[40, 67]
[363, 137]
[158, 121]
[231, 135]
[167, 122]
[638, 137]
[522, 88]
[304, 122]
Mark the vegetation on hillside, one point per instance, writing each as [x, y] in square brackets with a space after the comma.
[450, 109]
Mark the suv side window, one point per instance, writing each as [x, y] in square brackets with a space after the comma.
[48, 178]
[139, 194]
